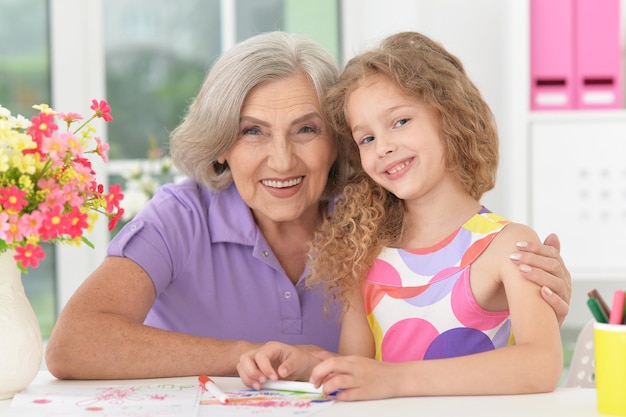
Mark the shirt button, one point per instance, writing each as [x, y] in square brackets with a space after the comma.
[133, 227]
[266, 254]
[287, 294]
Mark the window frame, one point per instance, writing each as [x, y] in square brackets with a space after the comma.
[73, 87]
[77, 77]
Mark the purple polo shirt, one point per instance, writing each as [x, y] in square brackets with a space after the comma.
[215, 274]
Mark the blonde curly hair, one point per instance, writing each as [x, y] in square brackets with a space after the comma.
[368, 217]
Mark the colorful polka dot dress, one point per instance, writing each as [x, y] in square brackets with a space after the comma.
[419, 302]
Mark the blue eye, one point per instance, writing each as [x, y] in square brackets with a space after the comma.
[308, 129]
[367, 139]
[251, 131]
[401, 122]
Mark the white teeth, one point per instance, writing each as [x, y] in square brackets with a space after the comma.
[282, 184]
[398, 168]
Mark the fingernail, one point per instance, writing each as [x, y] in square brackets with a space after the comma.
[516, 256]
[547, 291]
[521, 244]
[525, 268]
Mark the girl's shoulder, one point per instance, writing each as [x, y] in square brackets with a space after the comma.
[504, 243]
[514, 232]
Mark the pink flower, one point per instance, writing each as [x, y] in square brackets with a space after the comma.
[74, 146]
[49, 184]
[55, 145]
[43, 125]
[13, 233]
[29, 255]
[13, 199]
[102, 109]
[116, 218]
[4, 226]
[71, 197]
[84, 177]
[53, 224]
[84, 162]
[76, 222]
[30, 223]
[101, 149]
[114, 197]
[55, 199]
[69, 118]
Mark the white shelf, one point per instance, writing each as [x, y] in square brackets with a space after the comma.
[573, 116]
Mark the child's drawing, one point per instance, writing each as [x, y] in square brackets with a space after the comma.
[260, 403]
[109, 400]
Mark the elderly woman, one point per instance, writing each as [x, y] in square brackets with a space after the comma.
[214, 266]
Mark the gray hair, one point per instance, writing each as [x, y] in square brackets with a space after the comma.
[211, 124]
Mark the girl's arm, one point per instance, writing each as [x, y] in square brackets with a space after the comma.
[533, 364]
[543, 265]
[356, 336]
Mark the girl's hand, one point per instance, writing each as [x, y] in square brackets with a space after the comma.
[543, 265]
[354, 378]
[275, 360]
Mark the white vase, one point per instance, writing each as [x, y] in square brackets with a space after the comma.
[21, 347]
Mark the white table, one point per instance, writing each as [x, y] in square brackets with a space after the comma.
[566, 402]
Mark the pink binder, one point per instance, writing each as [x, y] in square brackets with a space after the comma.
[598, 56]
[552, 49]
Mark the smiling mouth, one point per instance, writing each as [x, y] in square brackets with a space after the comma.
[282, 184]
[398, 167]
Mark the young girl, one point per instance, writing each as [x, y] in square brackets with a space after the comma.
[422, 268]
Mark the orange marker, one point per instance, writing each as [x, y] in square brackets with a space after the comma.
[209, 385]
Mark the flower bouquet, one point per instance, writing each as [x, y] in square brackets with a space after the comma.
[48, 189]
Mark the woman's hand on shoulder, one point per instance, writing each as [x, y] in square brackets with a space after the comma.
[543, 265]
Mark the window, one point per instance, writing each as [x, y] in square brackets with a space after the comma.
[158, 52]
[25, 81]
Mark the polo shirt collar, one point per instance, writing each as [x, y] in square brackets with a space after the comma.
[230, 218]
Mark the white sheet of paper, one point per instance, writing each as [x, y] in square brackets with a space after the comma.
[114, 400]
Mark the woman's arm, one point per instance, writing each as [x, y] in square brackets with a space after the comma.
[100, 333]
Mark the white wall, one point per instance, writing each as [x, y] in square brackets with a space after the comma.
[479, 33]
